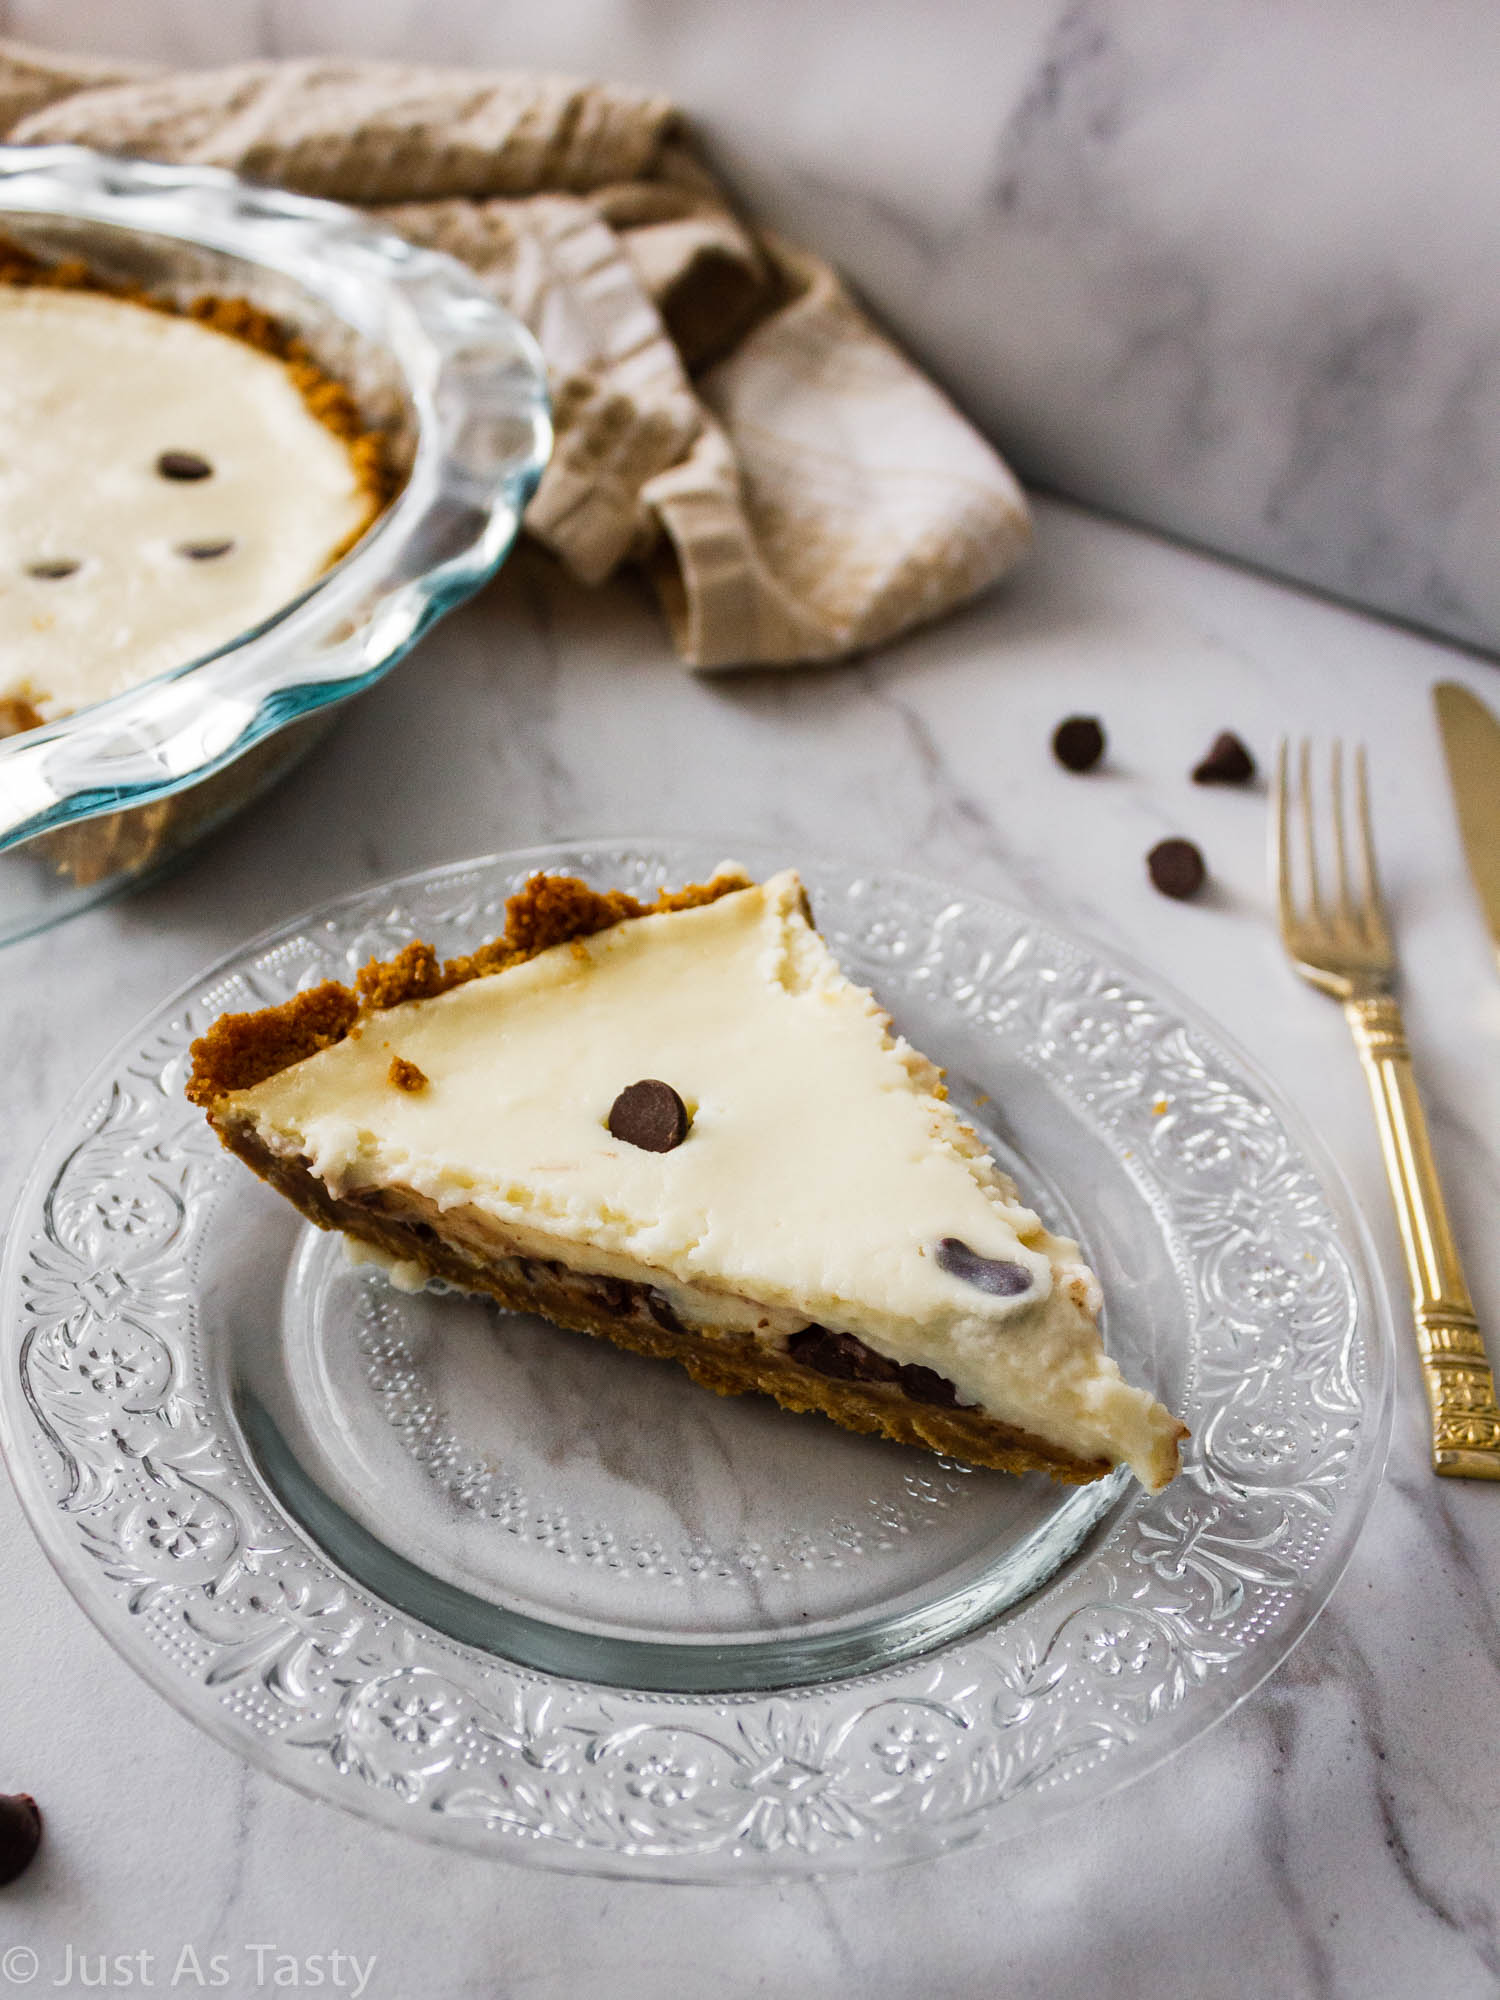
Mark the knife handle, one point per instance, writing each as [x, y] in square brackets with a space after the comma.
[1455, 1368]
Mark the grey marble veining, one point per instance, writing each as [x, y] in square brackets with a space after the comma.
[1230, 270]
[1338, 1834]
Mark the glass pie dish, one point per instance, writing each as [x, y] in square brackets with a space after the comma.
[96, 800]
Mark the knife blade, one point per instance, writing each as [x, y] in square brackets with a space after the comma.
[1471, 743]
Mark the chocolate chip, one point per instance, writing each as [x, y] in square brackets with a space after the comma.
[616, 1295]
[20, 1834]
[1176, 868]
[204, 551]
[660, 1308]
[845, 1358]
[53, 567]
[650, 1115]
[925, 1385]
[183, 465]
[1078, 743]
[842, 1355]
[1228, 762]
[986, 1274]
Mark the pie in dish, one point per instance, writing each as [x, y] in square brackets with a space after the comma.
[682, 1127]
[169, 478]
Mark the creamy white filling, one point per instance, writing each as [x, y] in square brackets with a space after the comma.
[820, 1173]
[92, 391]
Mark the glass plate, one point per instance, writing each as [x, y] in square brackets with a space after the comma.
[508, 1588]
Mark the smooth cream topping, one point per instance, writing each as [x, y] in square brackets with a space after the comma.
[92, 391]
[818, 1176]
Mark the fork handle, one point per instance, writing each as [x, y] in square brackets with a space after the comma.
[1455, 1368]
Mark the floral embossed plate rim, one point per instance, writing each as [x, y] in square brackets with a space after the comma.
[117, 1435]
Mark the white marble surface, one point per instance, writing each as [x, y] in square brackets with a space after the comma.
[1339, 1834]
[1229, 269]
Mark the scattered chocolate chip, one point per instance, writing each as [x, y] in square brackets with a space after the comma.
[1176, 868]
[660, 1306]
[650, 1115]
[20, 1834]
[183, 465]
[1078, 743]
[1228, 762]
[406, 1075]
[52, 568]
[925, 1385]
[203, 551]
[986, 1274]
[841, 1355]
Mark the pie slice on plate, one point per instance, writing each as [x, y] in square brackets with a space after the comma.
[681, 1127]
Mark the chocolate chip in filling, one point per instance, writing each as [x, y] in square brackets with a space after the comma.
[842, 1355]
[660, 1308]
[203, 551]
[995, 1275]
[845, 1357]
[617, 1296]
[925, 1385]
[183, 465]
[52, 568]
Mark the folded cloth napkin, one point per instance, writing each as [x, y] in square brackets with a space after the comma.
[726, 416]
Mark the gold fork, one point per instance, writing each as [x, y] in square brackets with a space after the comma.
[1343, 947]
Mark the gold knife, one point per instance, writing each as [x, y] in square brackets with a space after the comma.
[1457, 1371]
[1471, 741]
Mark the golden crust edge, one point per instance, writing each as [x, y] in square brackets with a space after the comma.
[241, 1050]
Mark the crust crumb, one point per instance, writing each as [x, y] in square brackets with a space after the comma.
[406, 1075]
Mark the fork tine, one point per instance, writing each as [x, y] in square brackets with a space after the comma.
[1374, 895]
[1347, 912]
[1281, 845]
[1309, 838]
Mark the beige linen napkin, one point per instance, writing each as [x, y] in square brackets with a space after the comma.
[726, 416]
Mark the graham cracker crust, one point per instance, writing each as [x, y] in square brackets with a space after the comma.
[635, 1317]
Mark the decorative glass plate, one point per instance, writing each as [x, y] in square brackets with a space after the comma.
[505, 1587]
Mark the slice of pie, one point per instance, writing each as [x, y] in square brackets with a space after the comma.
[683, 1128]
